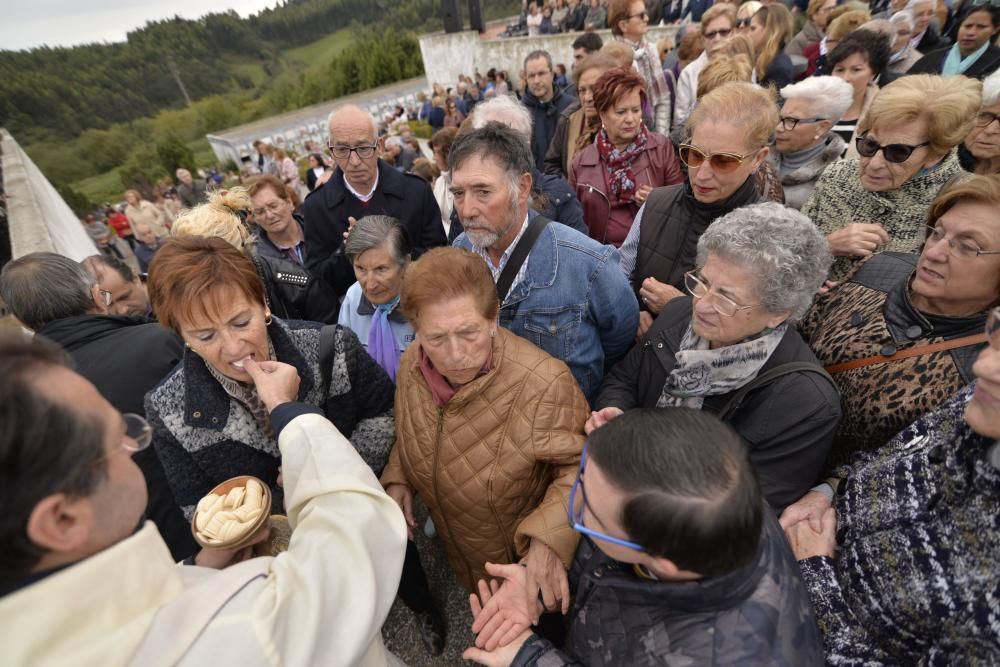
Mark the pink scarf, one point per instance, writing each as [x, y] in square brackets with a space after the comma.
[440, 388]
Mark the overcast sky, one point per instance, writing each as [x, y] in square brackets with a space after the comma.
[28, 23]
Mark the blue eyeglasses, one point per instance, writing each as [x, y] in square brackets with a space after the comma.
[576, 515]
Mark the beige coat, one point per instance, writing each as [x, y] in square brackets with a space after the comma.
[322, 602]
[496, 464]
[146, 213]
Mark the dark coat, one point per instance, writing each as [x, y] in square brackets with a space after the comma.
[544, 118]
[932, 40]
[325, 211]
[293, 293]
[124, 358]
[780, 72]
[789, 424]
[758, 615]
[657, 165]
[204, 436]
[985, 65]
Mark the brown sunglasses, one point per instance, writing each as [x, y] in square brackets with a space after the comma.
[723, 163]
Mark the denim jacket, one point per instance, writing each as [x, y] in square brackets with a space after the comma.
[574, 303]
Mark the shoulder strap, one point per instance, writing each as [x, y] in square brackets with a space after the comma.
[327, 343]
[506, 279]
[767, 378]
[907, 353]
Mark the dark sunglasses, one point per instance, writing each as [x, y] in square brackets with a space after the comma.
[721, 33]
[742, 23]
[723, 163]
[868, 147]
[641, 15]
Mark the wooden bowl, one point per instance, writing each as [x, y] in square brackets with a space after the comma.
[224, 488]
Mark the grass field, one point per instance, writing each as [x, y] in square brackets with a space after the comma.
[319, 53]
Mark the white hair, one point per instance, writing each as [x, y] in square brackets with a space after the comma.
[904, 16]
[394, 141]
[991, 89]
[828, 96]
[503, 109]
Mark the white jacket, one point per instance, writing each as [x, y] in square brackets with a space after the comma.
[322, 602]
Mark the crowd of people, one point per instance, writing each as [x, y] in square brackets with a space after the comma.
[694, 359]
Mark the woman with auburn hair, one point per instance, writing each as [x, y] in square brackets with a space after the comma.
[726, 142]
[613, 176]
[629, 23]
[208, 422]
[902, 303]
[292, 292]
[770, 29]
[489, 429]
[906, 142]
[576, 129]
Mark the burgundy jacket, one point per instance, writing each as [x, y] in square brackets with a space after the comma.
[656, 166]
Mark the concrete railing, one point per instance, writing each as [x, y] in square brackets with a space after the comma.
[38, 217]
[446, 56]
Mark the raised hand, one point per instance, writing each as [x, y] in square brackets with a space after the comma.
[501, 611]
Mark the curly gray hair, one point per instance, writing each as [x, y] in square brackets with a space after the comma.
[782, 248]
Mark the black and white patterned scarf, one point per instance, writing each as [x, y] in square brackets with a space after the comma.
[702, 372]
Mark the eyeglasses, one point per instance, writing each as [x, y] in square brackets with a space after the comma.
[576, 514]
[984, 118]
[723, 305]
[788, 123]
[642, 15]
[868, 147]
[138, 432]
[273, 208]
[344, 152]
[107, 297]
[724, 32]
[992, 331]
[723, 163]
[742, 23]
[963, 248]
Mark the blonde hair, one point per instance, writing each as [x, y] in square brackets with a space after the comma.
[749, 8]
[738, 45]
[722, 69]
[778, 25]
[847, 22]
[619, 52]
[715, 11]
[948, 104]
[221, 217]
[752, 108]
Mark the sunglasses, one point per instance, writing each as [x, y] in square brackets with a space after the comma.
[723, 163]
[719, 33]
[742, 23]
[868, 147]
[641, 15]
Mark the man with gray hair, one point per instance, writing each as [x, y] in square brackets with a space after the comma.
[558, 288]
[551, 195]
[191, 192]
[123, 357]
[363, 184]
[544, 101]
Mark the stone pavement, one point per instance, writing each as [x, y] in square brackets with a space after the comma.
[400, 629]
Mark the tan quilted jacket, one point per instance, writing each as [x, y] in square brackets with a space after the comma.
[496, 464]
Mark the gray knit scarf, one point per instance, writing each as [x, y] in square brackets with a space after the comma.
[702, 372]
[247, 393]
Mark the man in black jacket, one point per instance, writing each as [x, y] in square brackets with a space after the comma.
[123, 357]
[545, 102]
[680, 560]
[363, 185]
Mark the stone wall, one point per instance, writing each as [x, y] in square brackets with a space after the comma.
[38, 217]
[446, 56]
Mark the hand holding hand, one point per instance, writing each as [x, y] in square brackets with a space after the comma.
[809, 507]
[858, 239]
[404, 498]
[545, 573]
[806, 542]
[501, 612]
[500, 657]
[656, 294]
[599, 418]
[276, 383]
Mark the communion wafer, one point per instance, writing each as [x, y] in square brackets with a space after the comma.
[222, 519]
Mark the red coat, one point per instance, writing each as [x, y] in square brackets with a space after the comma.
[657, 166]
[119, 223]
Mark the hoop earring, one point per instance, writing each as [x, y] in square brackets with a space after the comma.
[268, 319]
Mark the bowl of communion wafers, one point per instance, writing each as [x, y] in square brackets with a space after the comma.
[229, 516]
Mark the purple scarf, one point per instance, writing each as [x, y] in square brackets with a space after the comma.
[381, 343]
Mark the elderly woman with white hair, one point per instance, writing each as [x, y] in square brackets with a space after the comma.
[980, 153]
[926, 36]
[732, 348]
[902, 54]
[804, 141]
